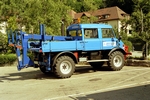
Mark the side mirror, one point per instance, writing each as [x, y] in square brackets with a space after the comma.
[120, 37]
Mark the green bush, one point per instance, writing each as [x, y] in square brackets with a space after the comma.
[7, 59]
[129, 44]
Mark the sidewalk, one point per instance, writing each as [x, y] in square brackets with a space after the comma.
[135, 62]
[138, 54]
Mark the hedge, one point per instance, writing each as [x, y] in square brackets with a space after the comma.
[129, 44]
[7, 59]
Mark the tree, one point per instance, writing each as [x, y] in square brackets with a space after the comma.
[84, 5]
[140, 21]
[125, 5]
[29, 13]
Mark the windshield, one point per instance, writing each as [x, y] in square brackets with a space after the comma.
[74, 33]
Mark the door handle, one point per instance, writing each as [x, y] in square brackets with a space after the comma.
[84, 42]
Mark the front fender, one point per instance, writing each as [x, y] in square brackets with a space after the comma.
[117, 49]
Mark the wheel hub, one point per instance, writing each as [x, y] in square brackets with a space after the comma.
[65, 67]
[117, 61]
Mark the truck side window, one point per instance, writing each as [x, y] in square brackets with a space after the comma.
[107, 33]
[72, 33]
[79, 33]
[91, 33]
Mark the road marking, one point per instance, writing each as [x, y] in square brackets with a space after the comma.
[100, 90]
[101, 74]
[129, 79]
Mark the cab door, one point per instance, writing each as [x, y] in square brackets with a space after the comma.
[108, 39]
[91, 39]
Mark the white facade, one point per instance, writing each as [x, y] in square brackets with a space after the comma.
[3, 27]
[116, 24]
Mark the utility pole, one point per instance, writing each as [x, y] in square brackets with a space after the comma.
[62, 28]
[142, 32]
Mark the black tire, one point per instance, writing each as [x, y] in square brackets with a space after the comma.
[64, 67]
[116, 61]
[96, 65]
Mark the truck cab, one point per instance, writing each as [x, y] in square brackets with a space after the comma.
[94, 36]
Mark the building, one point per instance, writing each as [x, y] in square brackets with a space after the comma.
[3, 27]
[110, 15]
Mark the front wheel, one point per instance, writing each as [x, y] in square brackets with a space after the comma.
[64, 67]
[116, 61]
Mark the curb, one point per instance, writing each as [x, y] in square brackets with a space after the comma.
[134, 62]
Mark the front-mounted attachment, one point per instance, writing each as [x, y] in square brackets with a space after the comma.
[20, 40]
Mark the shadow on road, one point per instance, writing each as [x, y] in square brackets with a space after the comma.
[134, 93]
[38, 75]
[89, 69]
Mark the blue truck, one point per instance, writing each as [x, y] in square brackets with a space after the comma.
[95, 44]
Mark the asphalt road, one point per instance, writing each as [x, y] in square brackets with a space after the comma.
[131, 83]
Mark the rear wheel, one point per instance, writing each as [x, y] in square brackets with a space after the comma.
[64, 67]
[116, 61]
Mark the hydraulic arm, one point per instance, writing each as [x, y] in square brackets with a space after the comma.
[20, 41]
